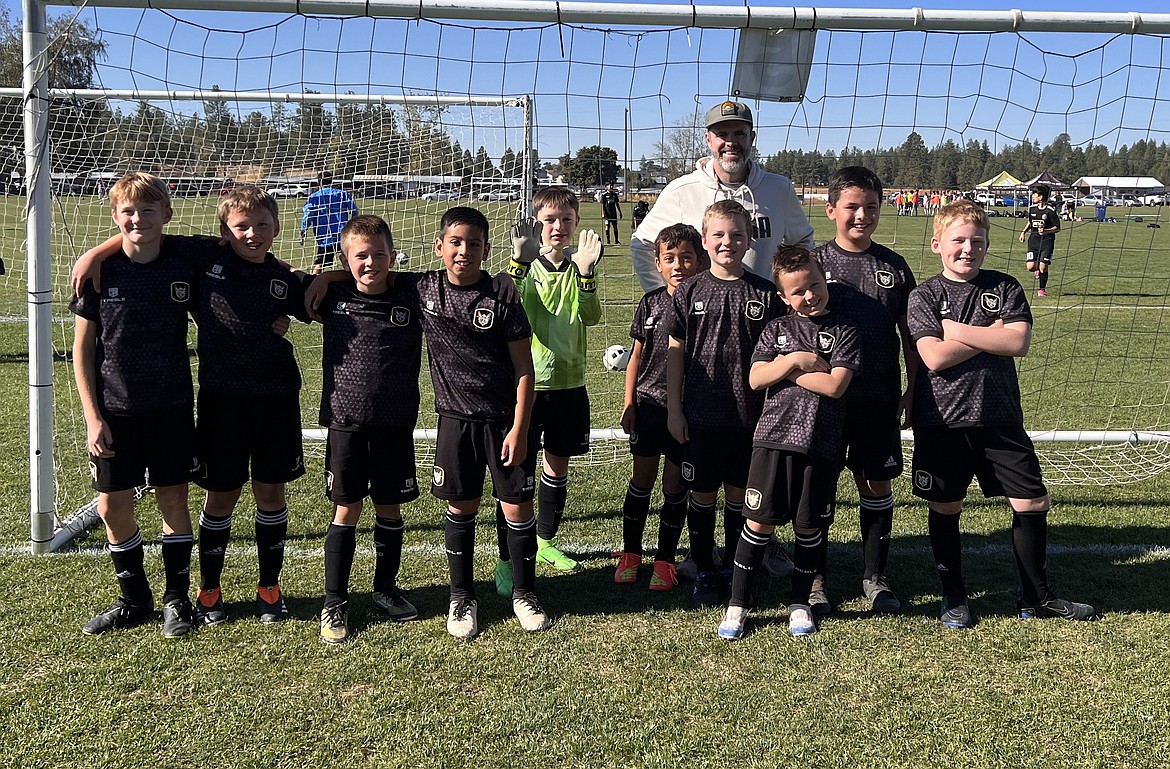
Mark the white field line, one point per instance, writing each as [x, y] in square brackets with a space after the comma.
[297, 552]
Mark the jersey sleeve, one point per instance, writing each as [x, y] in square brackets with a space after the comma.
[1015, 304]
[86, 305]
[921, 315]
[847, 352]
[765, 350]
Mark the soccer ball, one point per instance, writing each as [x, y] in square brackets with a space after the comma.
[401, 259]
[615, 358]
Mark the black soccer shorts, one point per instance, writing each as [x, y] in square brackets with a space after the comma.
[785, 486]
[232, 431]
[378, 461]
[560, 419]
[712, 458]
[465, 450]
[1002, 458]
[157, 448]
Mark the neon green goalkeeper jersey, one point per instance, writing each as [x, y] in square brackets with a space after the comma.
[558, 310]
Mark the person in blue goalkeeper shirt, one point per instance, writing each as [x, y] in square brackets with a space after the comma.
[327, 210]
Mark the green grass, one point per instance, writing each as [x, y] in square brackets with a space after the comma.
[627, 677]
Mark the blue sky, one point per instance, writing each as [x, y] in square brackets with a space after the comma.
[864, 91]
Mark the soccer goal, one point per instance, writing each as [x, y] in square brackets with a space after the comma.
[417, 106]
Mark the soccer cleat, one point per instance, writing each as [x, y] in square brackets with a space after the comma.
[393, 602]
[706, 593]
[178, 617]
[209, 607]
[688, 569]
[801, 621]
[121, 613]
[731, 628]
[1060, 608]
[776, 559]
[503, 578]
[270, 606]
[664, 577]
[335, 624]
[818, 598]
[881, 598]
[956, 614]
[1041, 292]
[528, 610]
[462, 618]
[547, 551]
[627, 568]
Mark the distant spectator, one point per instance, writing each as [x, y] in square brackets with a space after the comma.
[326, 211]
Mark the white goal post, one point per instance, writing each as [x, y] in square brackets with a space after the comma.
[620, 74]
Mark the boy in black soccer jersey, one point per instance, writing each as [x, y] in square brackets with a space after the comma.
[805, 360]
[1040, 232]
[481, 370]
[249, 386]
[678, 254]
[370, 360]
[611, 211]
[879, 282]
[968, 325]
[134, 381]
[711, 410]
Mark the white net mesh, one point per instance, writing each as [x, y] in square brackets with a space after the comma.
[926, 110]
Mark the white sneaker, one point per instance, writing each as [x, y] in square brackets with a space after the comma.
[462, 618]
[528, 610]
[731, 628]
[801, 621]
[776, 559]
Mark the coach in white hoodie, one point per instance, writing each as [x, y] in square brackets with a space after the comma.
[769, 198]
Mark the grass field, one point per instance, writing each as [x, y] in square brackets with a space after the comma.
[627, 677]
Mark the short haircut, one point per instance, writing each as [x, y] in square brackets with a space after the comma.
[555, 197]
[366, 226]
[962, 210]
[792, 259]
[1043, 190]
[247, 198]
[726, 209]
[325, 178]
[464, 215]
[850, 177]
[140, 186]
[677, 234]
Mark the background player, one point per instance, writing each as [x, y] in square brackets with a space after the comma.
[1040, 231]
[326, 212]
[611, 211]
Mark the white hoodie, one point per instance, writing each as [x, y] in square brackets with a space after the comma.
[769, 199]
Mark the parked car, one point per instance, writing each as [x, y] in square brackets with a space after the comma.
[1091, 200]
[289, 191]
[1129, 201]
[498, 196]
[986, 198]
[1155, 200]
[441, 194]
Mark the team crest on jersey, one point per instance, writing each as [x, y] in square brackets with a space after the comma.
[688, 471]
[990, 302]
[430, 307]
[483, 318]
[438, 475]
[884, 278]
[216, 269]
[782, 341]
[699, 308]
[400, 316]
[826, 341]
[650, 322]
[112, 292]
[944, 307]
[278, 288]
[180, 291]
[923, 480]
[752, 499]
[754, 310]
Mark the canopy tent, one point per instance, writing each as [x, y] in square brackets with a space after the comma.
[1054, 184]
[1001, 181]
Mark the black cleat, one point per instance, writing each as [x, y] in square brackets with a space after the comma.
[956, 614]
[122, 613]
[1060, 608]
[178, 618]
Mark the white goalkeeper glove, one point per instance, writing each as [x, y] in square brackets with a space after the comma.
[588, 253]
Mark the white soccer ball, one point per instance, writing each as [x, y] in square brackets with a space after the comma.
[401, 259]
[615, 358]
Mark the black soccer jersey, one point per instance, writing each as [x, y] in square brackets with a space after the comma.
[882, 283]
[610, 207]
[370, 359]
[239, 301]
[719, 322]
[796, 419]
[141, 357]
[468, 329]
[1042, 218]
[983, 390]
[647, 327]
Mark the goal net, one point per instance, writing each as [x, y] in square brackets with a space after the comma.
[413, 115]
